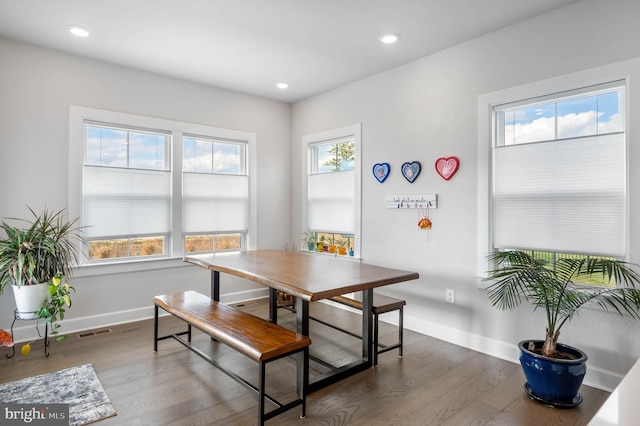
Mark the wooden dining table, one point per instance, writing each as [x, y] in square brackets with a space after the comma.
[309, 277]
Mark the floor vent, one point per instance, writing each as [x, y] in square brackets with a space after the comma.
[244, 304]
[94, 333]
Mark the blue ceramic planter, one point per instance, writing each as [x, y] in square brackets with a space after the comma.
[553, 381]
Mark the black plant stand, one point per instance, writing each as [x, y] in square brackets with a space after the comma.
[17, 316]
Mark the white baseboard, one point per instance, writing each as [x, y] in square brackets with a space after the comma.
[600, 378]
[25, 331]
[477, 343]
[596, 377]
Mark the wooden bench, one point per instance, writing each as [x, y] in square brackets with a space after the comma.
[381, 305]
[257, 338]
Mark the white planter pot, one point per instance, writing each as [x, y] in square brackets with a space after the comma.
[29, 299]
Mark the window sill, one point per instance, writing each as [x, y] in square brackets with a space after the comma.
[336, 255]
[99, 269]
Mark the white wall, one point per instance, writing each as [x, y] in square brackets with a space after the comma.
[428, 109]
[36, 88]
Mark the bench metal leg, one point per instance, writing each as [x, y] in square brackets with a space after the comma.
[155, 328]
[261, 394]
[376, 329]
[400, 330]
[305, 382]
[384, 348]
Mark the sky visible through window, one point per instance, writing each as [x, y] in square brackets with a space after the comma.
[208, 156]
[110, 147]
[574, 117]
[114, 147]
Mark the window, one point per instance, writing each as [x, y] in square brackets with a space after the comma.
[126, 197]
[148, 188]
[215, 194]
[557, 174]
[331, 180]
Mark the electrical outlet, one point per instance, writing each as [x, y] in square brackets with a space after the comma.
[450, 296]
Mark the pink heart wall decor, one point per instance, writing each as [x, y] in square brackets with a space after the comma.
[447, 167]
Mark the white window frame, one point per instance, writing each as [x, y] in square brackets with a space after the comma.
[486, 130]
[77, 118]
[353, 131]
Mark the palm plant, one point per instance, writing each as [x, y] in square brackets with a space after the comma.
[554, 286]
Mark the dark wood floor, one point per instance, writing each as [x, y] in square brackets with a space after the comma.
[435, 383]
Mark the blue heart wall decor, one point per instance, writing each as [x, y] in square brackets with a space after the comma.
[410, 171]
[381, 171]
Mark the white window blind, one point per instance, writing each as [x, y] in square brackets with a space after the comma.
[331, 202]
[564, 195]
[215, 202]
[331, 185]
[122, 202]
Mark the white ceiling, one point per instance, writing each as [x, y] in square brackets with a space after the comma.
[249, 45]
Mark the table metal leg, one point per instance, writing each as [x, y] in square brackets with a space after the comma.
[367, 326]
[302, 316]
[215, 285]
[273, 305]
[215, 294]
[302, 358]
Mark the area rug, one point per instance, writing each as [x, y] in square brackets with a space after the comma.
[77, 386]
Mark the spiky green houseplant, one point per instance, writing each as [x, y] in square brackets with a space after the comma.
[311, 240]
[42, 251]
[554, 286]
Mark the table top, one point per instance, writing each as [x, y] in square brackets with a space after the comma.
[308, 276]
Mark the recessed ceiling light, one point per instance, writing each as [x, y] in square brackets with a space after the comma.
[78, 31]
[389, 38]
[282, 85]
